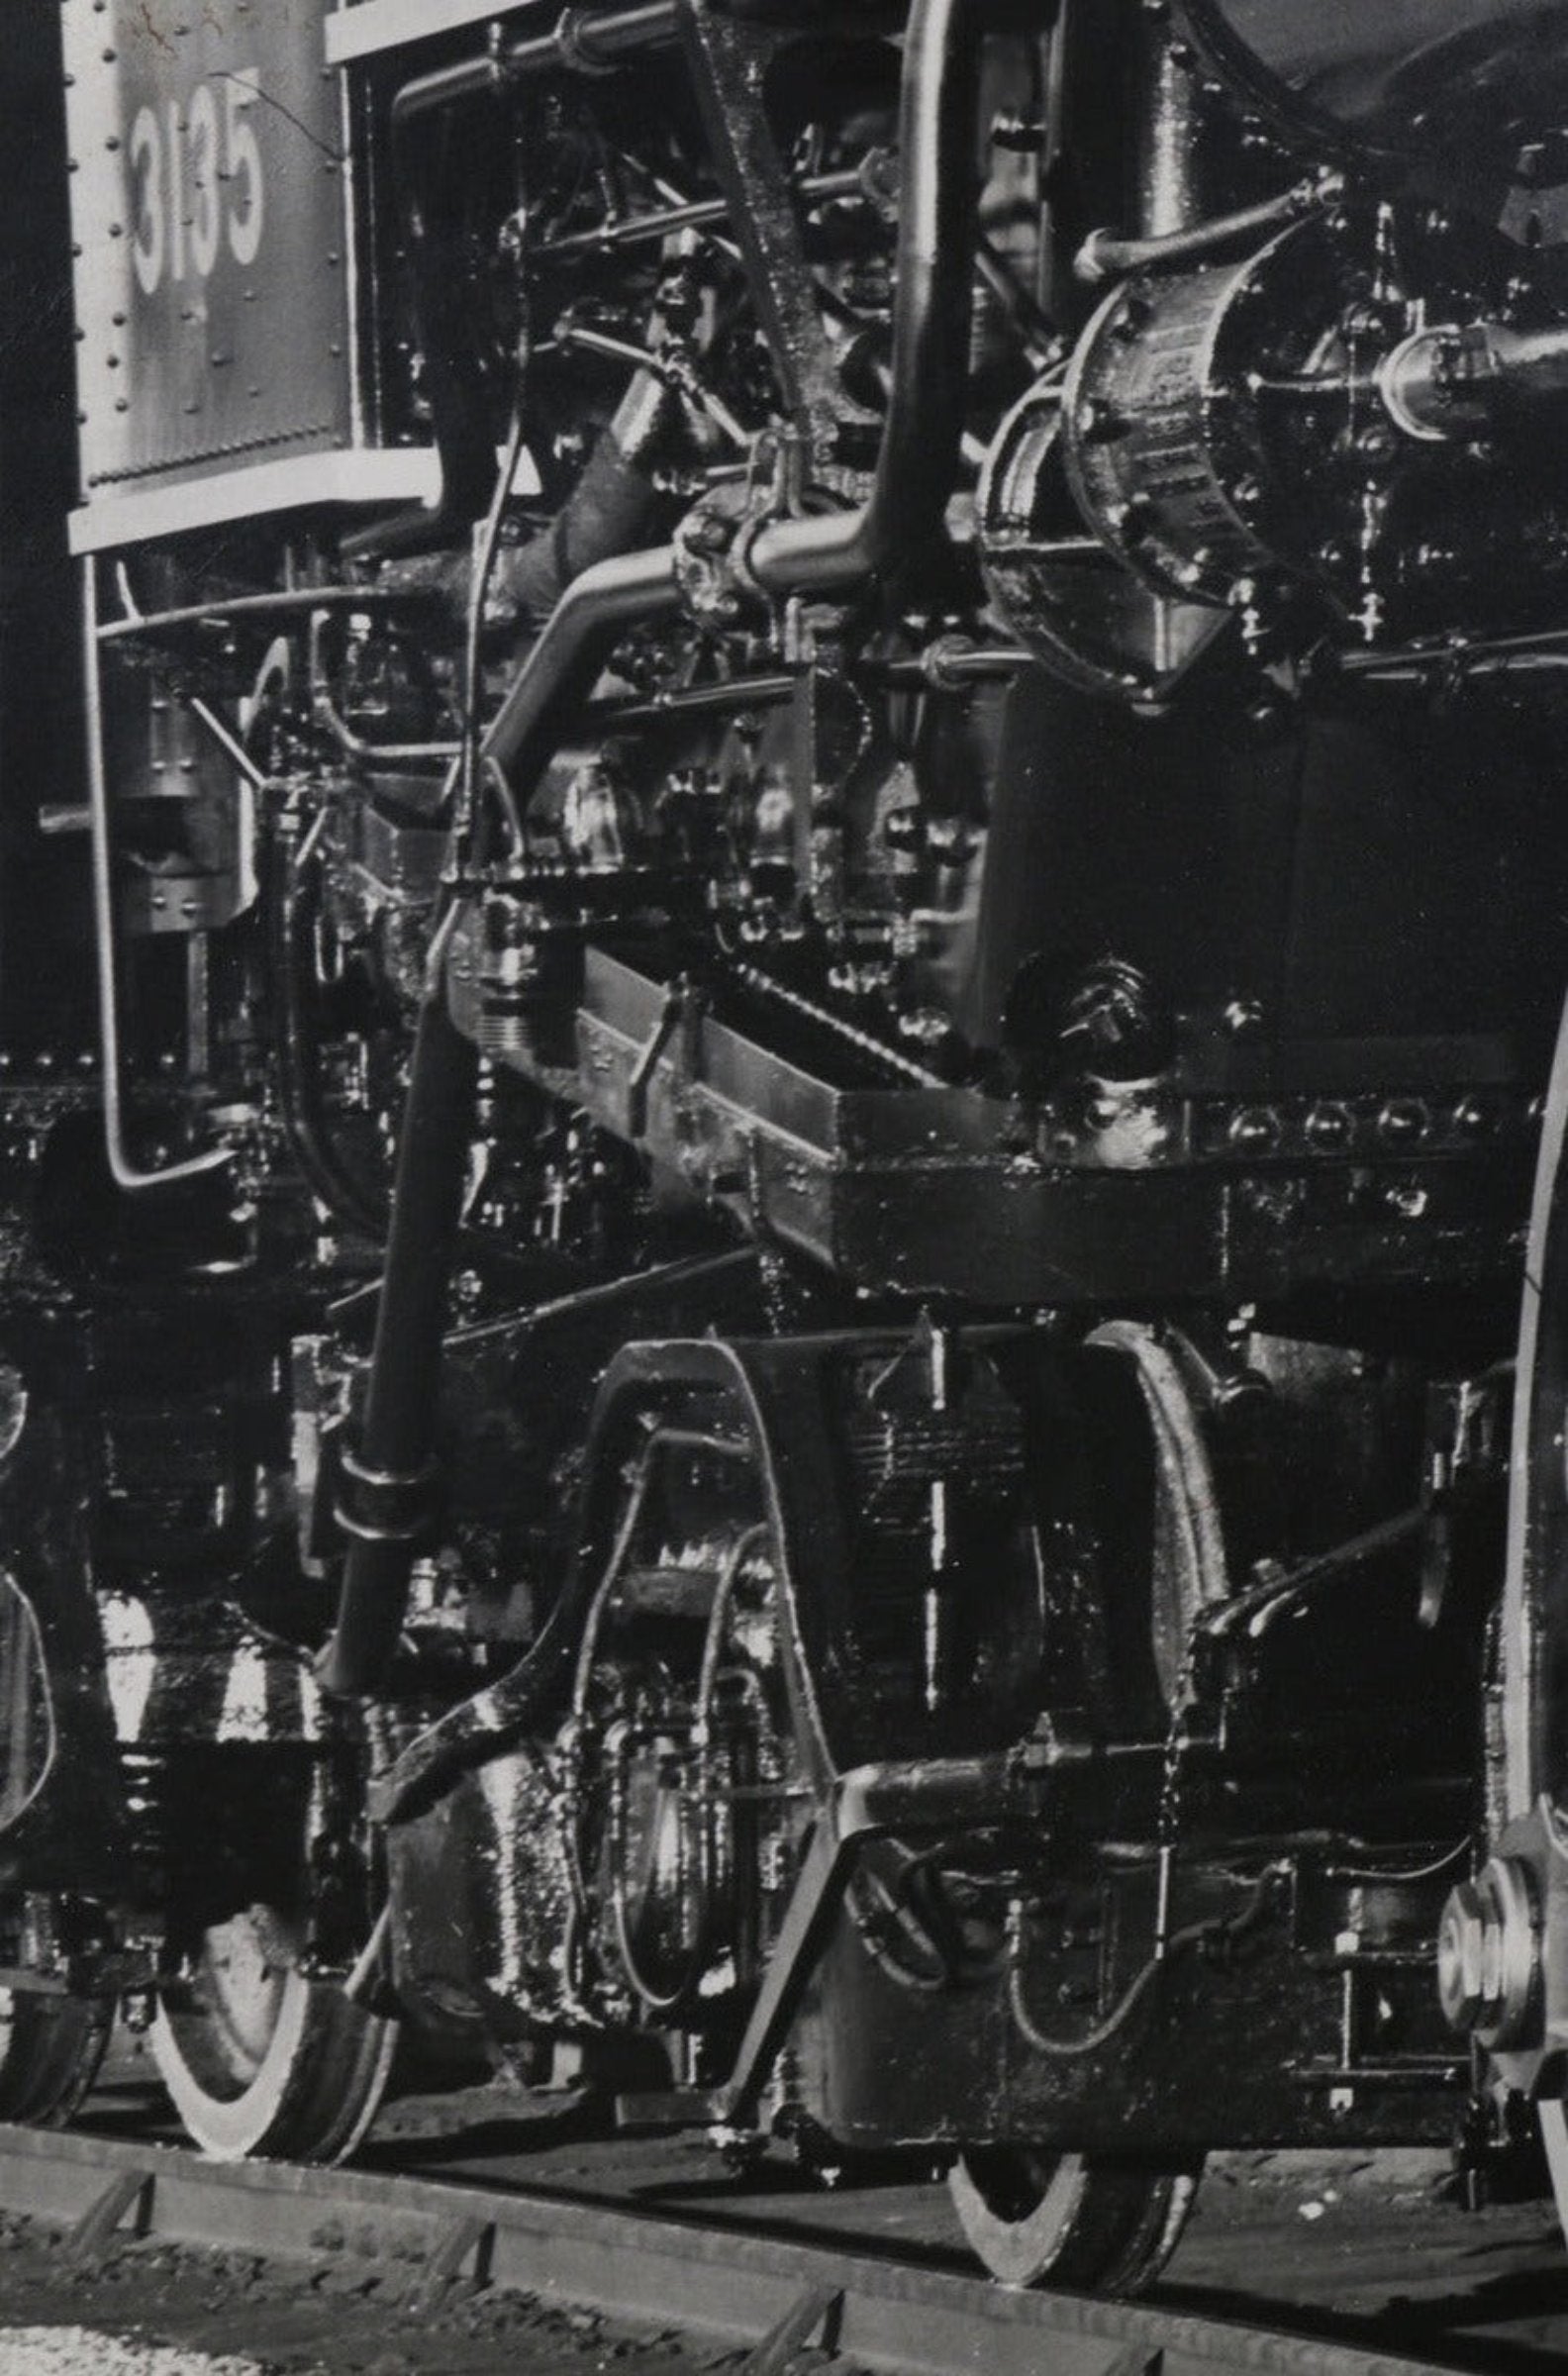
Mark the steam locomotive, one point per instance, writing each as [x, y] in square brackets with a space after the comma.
[784, 901]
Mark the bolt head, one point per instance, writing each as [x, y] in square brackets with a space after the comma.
[1460, 1935]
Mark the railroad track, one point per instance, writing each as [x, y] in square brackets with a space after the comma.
[767, 2293]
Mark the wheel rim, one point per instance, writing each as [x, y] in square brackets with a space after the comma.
[1036, 2218]
[50, 2052]
[261, 2058]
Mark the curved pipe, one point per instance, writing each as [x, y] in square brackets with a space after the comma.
[917, 469]
[633, 585]
[938, 197]
[1103, 257]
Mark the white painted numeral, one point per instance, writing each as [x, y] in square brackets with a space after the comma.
[201, 175]
[245, 165]
[146, 164]
[177, 194]
[197, 181]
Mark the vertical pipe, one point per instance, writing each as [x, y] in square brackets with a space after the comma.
[1168, 198]
[938, 193]
[392, 1465]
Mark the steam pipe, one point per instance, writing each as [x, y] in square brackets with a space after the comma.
[610, 509]
[392, 1475]
[1103, 257]
[1169, 198]
[582, 40]
[917, 467]
[938, 197]
[1447, 383]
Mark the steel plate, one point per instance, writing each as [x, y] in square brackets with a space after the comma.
[211, 227]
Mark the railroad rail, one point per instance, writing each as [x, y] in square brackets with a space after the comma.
[772, 2295]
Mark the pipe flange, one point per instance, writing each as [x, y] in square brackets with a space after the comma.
[1489, 1955]
[573, 39]
[382, 1505]
[1459, 1939]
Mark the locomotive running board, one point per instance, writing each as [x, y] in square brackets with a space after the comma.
[886, 2314]
[932, 1190]
[356, 476]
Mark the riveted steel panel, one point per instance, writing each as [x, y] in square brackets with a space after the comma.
[210, 218]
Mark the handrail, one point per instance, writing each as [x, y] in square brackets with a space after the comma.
[125, 1173]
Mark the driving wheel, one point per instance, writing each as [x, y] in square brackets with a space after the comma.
[262, 2057]
[51, 2048]
[1037, 2217]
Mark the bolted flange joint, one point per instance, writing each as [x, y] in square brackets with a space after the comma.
[378, 1505]
[1489, 1955]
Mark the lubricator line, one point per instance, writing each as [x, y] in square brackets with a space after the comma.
[630, 2264]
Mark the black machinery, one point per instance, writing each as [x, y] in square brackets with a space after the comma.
[772, 1075]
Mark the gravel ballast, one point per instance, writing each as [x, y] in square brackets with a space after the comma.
[78, 2351]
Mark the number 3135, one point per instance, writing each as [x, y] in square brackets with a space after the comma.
[198, 182]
